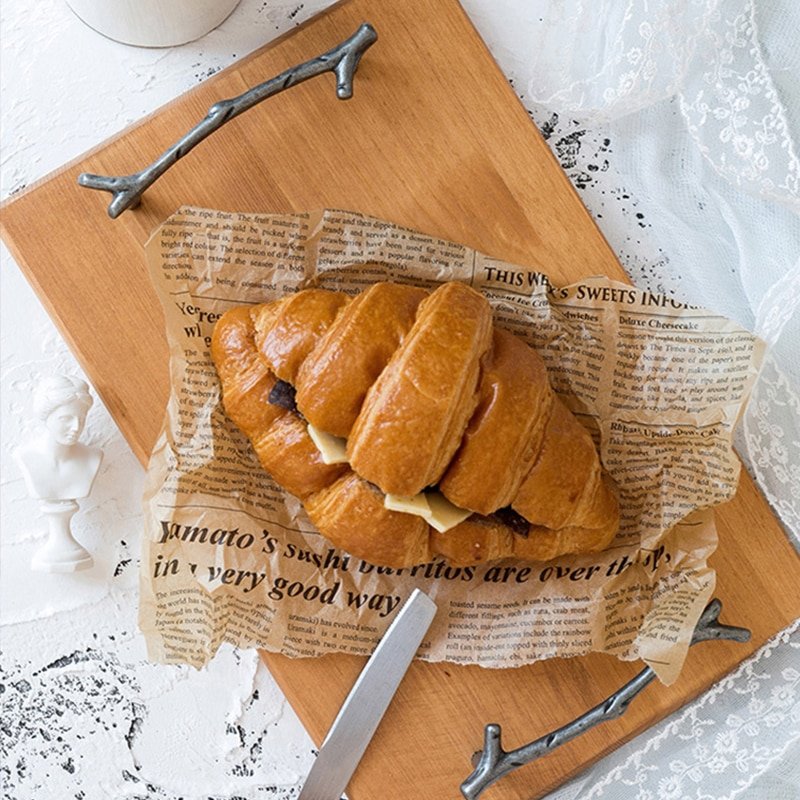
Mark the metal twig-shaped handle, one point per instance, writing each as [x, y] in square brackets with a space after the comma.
[342, 60]
[492, 763]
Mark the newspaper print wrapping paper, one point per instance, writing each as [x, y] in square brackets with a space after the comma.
[229, 556]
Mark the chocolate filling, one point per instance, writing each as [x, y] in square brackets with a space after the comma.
[282, 394]
[508, 517]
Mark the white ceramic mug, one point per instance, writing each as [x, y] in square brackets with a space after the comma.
[153, 23]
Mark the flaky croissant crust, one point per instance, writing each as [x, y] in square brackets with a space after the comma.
[426, 392]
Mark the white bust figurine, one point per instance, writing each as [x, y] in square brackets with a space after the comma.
[58, 469]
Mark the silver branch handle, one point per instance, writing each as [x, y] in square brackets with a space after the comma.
[342, 60]
[492, 763]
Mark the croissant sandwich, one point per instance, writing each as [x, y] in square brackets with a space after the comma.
[410, 427]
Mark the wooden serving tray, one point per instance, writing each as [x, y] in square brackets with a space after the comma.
[434, 139]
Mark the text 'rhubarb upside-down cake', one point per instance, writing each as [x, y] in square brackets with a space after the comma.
[411, 427]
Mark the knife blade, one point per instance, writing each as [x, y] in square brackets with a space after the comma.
[365, 705]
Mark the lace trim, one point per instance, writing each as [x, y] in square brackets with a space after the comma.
[772, 446]
[735, 99]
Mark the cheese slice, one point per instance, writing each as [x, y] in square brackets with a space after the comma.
[444, 515]
[433, 507]
[417, 505]
[333, 449]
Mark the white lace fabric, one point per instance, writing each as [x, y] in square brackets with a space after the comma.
[741, 739]
[677, 121]
[699, 100]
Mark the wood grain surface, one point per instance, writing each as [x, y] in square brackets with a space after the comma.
[434, 139]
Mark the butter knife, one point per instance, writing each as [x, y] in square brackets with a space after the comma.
[362, 711]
